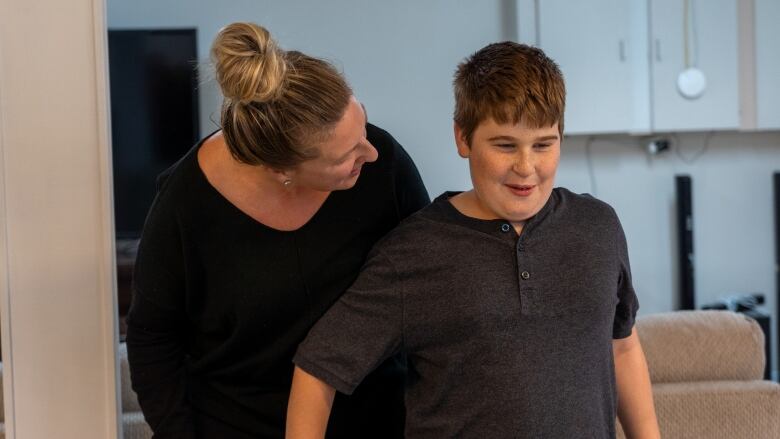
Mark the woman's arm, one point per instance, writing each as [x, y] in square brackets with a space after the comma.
[635, 398]
[309, 408]
[157, 368]
[157, 325]
[409, 191]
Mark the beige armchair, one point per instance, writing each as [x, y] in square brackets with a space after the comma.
[706, 368]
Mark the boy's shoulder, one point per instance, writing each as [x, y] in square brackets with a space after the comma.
[418, 224]
[583, 207]
[425, 229]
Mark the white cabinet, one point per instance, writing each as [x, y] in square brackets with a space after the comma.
[767, 25]
[621, 60]
[604, 63]
[712, 47]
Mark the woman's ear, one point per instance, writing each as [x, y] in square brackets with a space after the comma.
[464, 150]
[283, 175]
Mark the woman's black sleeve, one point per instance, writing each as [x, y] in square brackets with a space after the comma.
[156, 326]
[410, 192]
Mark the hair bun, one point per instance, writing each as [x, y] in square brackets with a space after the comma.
[250, 67]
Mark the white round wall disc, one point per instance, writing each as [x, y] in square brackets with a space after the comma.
[691, 83]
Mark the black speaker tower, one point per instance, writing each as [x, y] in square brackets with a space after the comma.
[685, 240]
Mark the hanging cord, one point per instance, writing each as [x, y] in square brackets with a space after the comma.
[694, 34]
[689, 160]
[594, 190]
[591, 172]
[686, 56]
[690, 35]
[686, 30]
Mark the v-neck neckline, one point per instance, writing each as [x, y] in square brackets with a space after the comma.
[223, 199]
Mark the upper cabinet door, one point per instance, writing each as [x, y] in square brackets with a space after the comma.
[711, 47]
[600, 46]
[767, 19]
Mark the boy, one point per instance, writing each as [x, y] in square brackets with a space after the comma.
[512, 301]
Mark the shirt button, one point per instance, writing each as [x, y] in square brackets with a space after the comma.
[525, 275]
[505, 227]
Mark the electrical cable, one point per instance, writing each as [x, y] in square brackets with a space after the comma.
[686, 30]
[694, 34]
[690, 35]
[589, 161]
[689, 160]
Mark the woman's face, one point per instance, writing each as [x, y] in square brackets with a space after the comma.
[341, 156]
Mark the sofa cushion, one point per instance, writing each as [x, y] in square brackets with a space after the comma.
[688, 346]
[134, 426]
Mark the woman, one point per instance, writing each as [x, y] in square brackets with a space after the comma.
[252, 236]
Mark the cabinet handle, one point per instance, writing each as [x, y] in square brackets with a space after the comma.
[658, 50]
[622, 50]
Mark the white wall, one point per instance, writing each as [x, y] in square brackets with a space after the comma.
[732, 209]
[400, 57]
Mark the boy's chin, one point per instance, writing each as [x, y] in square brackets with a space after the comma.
[519, 216]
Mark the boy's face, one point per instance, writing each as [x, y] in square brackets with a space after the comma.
[512, 168]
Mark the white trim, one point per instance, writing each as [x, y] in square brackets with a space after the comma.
[109, 307]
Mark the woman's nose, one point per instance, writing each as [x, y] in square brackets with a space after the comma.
[371, 153]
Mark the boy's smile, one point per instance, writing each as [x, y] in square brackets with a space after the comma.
[512, 169]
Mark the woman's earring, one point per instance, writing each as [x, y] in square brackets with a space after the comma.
[287, 183]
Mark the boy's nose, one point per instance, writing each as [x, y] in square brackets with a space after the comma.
[523, 166]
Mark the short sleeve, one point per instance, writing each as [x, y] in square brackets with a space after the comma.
[361, 330]
[625, 312]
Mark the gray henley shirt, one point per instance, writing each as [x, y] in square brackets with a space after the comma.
[506, 336]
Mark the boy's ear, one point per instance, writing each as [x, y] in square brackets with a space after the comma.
[464, 150]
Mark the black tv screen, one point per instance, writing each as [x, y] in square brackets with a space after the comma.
[154, 114]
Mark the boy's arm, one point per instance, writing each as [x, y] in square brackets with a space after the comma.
[635, 398]
[309, 408]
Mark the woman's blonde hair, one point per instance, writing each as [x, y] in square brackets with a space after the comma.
[278, 104]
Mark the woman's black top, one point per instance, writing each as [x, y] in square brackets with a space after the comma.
[221, 301]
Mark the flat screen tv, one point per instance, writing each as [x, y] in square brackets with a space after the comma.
[154, 114]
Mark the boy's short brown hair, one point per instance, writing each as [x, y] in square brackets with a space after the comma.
[508, 82]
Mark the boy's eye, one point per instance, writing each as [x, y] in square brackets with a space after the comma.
[542, 145]
[505, 145]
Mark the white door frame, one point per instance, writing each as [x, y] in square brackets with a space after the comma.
[57, 260]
